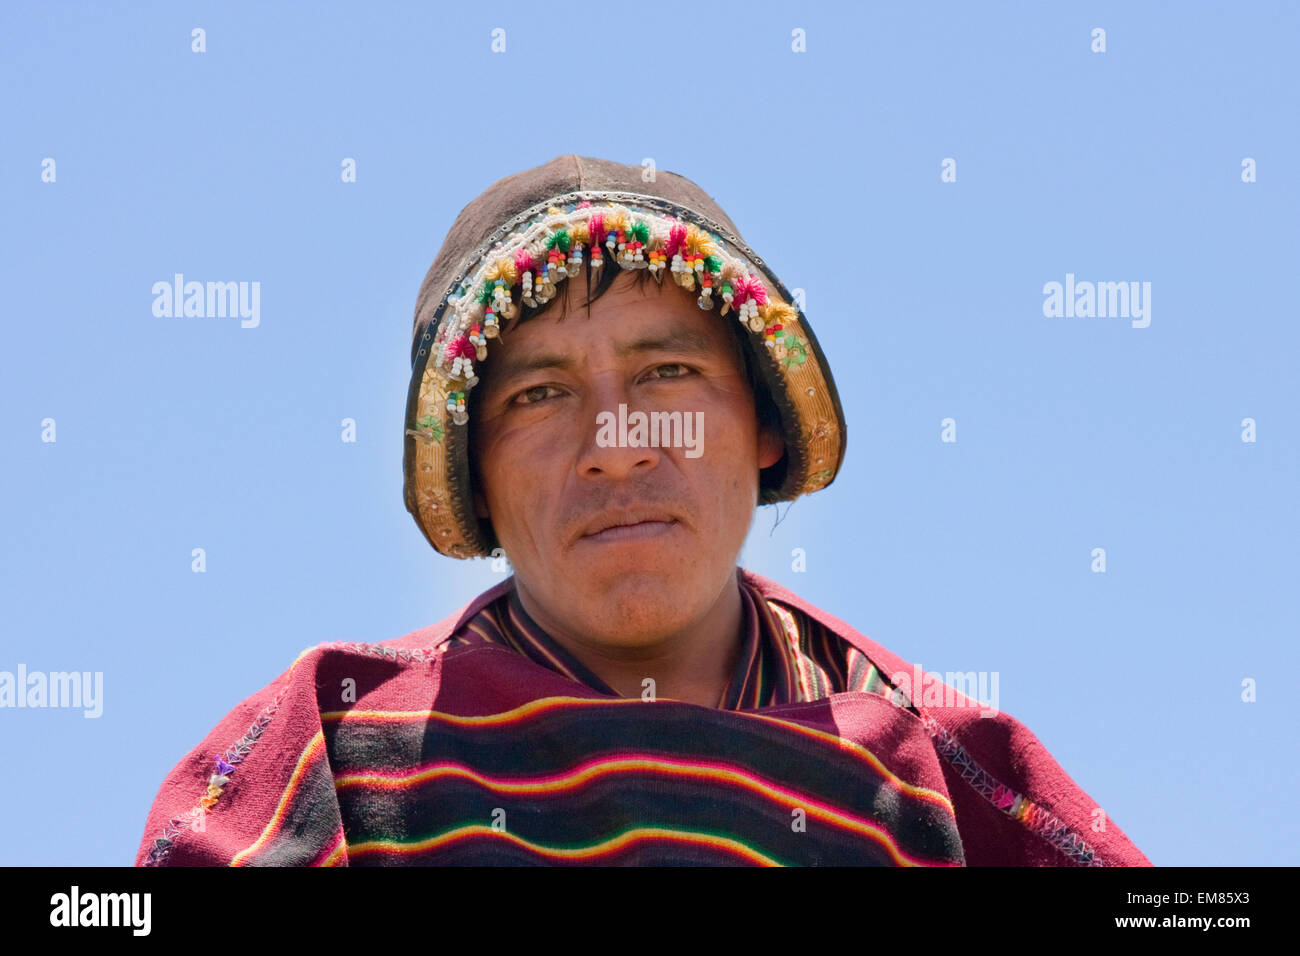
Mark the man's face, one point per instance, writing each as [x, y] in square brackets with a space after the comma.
[618, 546]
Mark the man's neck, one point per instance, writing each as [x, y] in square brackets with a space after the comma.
[694, 664]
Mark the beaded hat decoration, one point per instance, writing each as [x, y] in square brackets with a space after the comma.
[536, 229]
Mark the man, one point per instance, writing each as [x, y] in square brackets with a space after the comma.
[640, 381]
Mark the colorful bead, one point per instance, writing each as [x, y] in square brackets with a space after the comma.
[456, 407]
[479, 341]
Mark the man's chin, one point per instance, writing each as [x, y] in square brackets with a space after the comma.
[652, 586]
[637, 600]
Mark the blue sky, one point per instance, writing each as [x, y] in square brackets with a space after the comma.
[1072, 433]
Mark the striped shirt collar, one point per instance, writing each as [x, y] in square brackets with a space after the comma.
[771, 667]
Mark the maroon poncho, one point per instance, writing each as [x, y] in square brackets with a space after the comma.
[431, 750]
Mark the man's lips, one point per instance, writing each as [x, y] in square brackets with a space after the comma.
[629, 528]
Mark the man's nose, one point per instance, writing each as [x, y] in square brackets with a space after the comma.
[610, 418]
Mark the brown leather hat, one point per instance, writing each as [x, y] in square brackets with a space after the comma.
[509, 249]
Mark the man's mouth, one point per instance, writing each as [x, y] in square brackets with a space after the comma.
[629, 528]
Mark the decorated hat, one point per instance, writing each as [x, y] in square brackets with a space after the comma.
[510, 249]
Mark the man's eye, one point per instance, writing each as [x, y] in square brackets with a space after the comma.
[675, 370]
[531, 396]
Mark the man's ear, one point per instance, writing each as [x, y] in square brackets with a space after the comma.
[771, 446]
[480, 504]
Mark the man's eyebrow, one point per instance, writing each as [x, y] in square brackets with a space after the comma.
[512, 366]
[691, 341]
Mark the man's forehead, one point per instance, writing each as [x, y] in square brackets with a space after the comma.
[553, 342]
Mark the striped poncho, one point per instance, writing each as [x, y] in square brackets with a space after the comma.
[479, 740]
